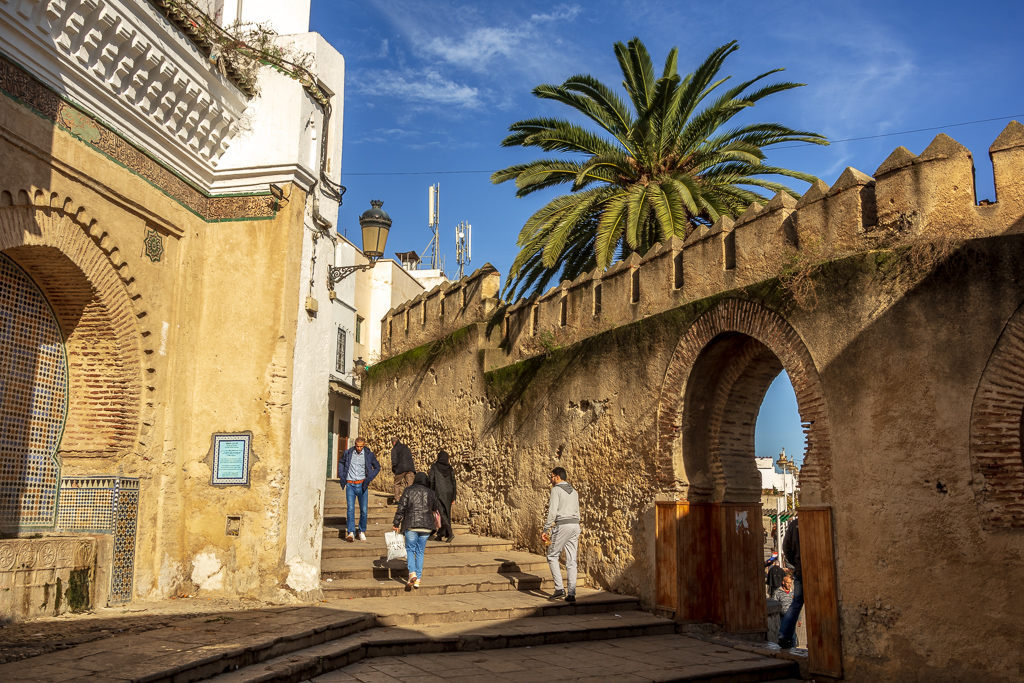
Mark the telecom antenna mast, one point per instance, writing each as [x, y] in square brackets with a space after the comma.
[463, 245]
[433, 211]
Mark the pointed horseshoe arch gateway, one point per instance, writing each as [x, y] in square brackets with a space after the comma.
[709, 538]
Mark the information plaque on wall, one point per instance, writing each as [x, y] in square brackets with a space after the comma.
[232, 454]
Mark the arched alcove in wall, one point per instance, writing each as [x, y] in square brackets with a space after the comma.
[96, 322]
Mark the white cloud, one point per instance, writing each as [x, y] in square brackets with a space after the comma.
[561, 12]
[477, 47]
[418, 85]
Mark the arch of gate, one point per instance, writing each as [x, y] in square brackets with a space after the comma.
[997, 425]
[98, 321]
[710, 396]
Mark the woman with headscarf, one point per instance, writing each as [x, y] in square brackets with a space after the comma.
[415, 519]
[442, 481]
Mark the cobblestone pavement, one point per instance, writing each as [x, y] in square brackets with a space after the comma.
[627, 660]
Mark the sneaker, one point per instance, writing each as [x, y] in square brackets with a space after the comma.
[785, 643]
[350, 538]
[362, 536]
[413, 580]
[416, 583]
[557, 594]
[571, 599]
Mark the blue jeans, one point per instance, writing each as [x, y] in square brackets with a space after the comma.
[351, 492]
[415, 547]
[789, 619]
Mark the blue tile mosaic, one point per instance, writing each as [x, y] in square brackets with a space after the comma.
[104, 505]
[33, 402]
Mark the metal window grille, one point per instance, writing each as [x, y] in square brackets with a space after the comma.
[340, 367]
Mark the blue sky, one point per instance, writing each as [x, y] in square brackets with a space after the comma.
[431, 88]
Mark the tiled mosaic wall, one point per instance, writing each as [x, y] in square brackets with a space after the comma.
[105, 505]
[125, 515]
[33, 402]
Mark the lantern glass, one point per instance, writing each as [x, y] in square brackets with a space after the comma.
[375, 238]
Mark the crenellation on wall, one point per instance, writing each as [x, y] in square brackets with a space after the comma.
[1007, 156]
[445, 308]
[760, 242]
[909, 198]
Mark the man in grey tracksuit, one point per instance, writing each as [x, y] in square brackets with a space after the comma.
[563, 529]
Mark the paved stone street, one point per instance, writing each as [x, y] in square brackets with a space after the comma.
[639, 660]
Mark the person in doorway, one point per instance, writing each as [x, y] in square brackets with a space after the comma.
[415, 519]
[357, 468]
[774, 577]
[784, 594]
[562, 528]
[791, 551]
[441, 479]
[402, 466]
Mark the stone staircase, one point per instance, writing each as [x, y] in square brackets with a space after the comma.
[477, 594]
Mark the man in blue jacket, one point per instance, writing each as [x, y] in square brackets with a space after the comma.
[356, 469]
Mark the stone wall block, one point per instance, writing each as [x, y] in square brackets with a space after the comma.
[657, 279]
[896, 194]
[1007, 154]
[758, 242]
[704, 260]
[946, 189]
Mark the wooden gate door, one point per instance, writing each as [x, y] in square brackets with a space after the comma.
[821, 596]
[699, 563]
[743, 599]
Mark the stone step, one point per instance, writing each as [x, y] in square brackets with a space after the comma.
[434, 638]
[436, 565]
[374, 547]
[445, 585]
[336, 529]
[417, 608]
[184, 652]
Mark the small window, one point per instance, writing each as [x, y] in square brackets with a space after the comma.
[359, 329]
[563, 310]
[597, 300]
[407, 321]
[462, 297]
[677, 267]
[635, 298]
[533, 322]
[340, 361]
[390, 320]
[423, 309]
[441, 305]
[504, 327]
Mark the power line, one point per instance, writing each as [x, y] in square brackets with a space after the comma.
[803, 144]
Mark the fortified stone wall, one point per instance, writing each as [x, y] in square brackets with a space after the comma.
[904, 359]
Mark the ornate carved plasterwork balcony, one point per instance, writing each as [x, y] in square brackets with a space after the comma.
[125, 62]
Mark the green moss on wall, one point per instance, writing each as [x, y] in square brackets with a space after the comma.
[419, 357]
[77, 594]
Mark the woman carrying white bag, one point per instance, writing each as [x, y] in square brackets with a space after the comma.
[396, 545]
[417, 515]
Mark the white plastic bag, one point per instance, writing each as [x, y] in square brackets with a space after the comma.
[396, 545]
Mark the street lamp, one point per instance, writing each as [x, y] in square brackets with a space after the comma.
[375, 224]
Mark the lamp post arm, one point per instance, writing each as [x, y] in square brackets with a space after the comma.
[338, 273]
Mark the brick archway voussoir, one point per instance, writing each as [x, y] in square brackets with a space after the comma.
[769, 328]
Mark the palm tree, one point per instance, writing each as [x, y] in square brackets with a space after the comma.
[651, 173]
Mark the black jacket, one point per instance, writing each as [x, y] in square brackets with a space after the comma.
[791, 548]
[401, 459]
[416, 508]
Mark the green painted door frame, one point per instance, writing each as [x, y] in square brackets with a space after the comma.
[330, 442]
